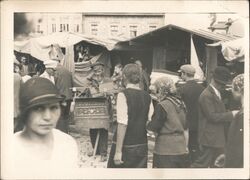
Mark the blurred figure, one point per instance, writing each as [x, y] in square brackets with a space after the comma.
[64, 83]
[190, 92]
[169, 124]
[39, 145]
[213, 117]
[24, 66]
[50, 68]
[134, 108]
[117, 76]
[17, 85]
[145, 79]
[233, 157]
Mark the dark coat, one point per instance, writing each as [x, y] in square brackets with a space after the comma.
[190, 93]
[212, 119]
[64, 81]
[234, 147]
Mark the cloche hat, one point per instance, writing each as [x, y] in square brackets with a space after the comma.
[38, 91]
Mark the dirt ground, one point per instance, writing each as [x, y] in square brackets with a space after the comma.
[84, 144]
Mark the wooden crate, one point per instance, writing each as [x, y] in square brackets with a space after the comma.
[92, 113]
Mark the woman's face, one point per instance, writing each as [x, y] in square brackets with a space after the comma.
[43, 118]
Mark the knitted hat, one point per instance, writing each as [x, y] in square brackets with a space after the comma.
[222, 75]
[238, 83]
[38, 91]
[97, 65]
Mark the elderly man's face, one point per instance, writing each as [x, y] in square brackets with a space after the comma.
[98, 70]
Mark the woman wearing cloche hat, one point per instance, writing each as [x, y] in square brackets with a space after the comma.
[39, 144]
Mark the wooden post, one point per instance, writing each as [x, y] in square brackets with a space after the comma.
[96, 142]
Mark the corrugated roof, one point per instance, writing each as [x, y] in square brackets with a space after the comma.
[199, 32]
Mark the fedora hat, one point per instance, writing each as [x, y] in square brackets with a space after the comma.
[222, 75]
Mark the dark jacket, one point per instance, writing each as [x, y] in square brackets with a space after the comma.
[64, 81]
[234, 147]
[212, 118]
[190, 93]
[168, 121]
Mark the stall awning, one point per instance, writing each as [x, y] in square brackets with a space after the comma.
[39, 47]
[232, 50]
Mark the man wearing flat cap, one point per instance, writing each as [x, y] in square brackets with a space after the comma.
[49, 72]
[213, 117]
[190, 93]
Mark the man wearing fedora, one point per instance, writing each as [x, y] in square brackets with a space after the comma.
[212, 118]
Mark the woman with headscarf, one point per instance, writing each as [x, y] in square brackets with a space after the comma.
[39, 145]
[169, 124]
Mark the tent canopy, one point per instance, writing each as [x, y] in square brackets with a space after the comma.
[39, 47]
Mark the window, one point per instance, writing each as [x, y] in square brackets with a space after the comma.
[94, 29]
[152, 27]
[38, 28]
[61, 27]
[53, 27]
[133, 31]
[113, 30]
[67, 27]
[77, 28]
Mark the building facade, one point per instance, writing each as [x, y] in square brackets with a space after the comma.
[48, 23]
[95, 24]
[124, 25]
[121, 25]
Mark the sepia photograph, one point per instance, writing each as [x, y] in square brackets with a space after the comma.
[115, 89]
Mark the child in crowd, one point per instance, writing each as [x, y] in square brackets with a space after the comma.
[134, 108]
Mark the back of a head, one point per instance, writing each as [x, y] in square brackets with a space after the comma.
[132, 73]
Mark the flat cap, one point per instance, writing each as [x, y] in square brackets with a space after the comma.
[187, 68]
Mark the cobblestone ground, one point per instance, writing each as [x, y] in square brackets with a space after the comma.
[84, 144]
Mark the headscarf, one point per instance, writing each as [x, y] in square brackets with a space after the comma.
[166, 89]
[238, 83]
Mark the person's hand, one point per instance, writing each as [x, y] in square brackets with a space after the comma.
[118, 158]
[220, 161]
[150, 134]
[235, 112]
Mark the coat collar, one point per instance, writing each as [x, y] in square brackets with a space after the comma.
[211, 90]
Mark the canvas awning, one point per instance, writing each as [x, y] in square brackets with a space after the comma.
[39, 47]
[232, 50]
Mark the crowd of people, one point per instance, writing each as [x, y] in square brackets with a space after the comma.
[188, 120]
